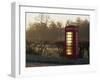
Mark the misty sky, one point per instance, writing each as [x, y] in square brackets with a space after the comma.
[31, 18]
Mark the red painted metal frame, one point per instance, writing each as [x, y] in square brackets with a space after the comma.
[74, 30]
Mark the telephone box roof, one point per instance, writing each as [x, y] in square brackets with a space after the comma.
[72, 26]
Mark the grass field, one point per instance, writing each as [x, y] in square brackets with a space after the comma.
[34, 61]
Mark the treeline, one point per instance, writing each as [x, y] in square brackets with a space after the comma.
[42, 32]
[54, 31]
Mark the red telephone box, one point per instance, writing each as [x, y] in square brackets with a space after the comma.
[71, 41]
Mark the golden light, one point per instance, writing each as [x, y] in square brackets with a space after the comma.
[69, 33]
[69, 43]
[69, 39]
[69, 53]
